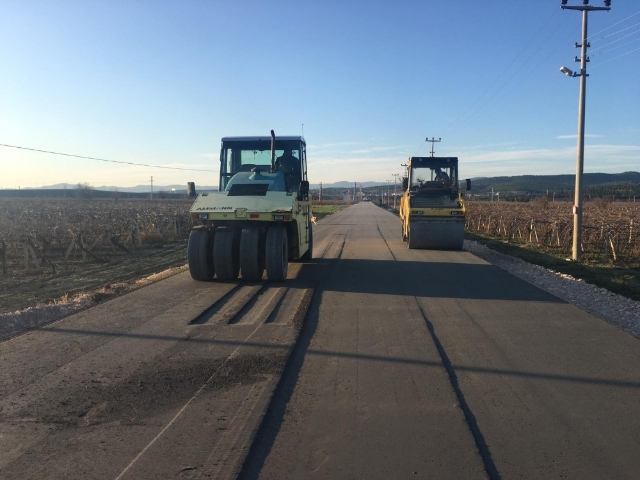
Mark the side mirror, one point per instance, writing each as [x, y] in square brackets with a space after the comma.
[468, 184]
[405, 183]
[303, 191]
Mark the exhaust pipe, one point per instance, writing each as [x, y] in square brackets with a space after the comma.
[273, 152]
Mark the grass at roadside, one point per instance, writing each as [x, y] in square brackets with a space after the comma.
[320, 211]
[623, 281]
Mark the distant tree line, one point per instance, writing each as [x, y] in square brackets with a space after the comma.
[540, 184]
[628, 191]
[86, 192]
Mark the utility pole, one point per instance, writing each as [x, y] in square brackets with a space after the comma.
[152, 188]
[320, 199]
[433, 140]
[395, 181]
[577, 205]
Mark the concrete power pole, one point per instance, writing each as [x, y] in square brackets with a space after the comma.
[395, 181]
[577, 205]
[433, 140]
[152, 188]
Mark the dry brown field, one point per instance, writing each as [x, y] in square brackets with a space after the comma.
[611, 230]
[55, 247]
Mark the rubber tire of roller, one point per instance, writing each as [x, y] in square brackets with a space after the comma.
[200, 254]
[277, 253]
[226, 248]
[251, 254]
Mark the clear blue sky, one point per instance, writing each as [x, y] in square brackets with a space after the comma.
[160, 82]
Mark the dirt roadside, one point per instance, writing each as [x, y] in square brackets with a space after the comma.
[30, 300]
[27, 290]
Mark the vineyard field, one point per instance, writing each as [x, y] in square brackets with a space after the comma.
[610, 230]
[54, 247]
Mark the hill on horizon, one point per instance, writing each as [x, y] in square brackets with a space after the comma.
[542, 183]
[596, 184]
[183, 188]
[516, 183]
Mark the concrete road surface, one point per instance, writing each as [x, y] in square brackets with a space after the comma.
[372, 361]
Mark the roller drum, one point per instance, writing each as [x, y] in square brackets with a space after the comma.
[436, 234]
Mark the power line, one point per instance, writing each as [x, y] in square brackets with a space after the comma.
[515, 87]
[621, 45]
[614, 58]
[104, 160]
[615, 41]
[502, 74]
[620, 31]
[463, 121]
[503, 85]
[460, 121]
[611, 26]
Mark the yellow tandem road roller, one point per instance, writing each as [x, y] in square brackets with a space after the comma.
[261, 216]
[432, 208]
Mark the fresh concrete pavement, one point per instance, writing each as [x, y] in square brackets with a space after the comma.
[434, 364]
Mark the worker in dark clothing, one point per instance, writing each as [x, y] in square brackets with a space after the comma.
[290, 166]
[287, 163]
[442, 177]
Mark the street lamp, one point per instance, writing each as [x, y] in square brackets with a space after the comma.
[568, 72]
[585, 8]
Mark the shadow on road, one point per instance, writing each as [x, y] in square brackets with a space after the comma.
[355, 356]
[433, 279]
